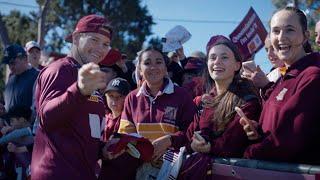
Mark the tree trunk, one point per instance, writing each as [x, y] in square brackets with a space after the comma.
[295, 3]
[4, 34]
[5, 42]
[41, 22]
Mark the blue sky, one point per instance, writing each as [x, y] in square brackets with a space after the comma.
[215, 11]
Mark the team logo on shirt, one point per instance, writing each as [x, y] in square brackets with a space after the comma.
[94, 98]
[170, 114]
[281, 94]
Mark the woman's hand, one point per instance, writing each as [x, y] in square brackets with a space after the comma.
[160, 146]
[250, 127]
[257, 76]
[200, 145]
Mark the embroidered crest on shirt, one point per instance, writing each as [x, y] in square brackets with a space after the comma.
[170, 114]
[281, 94]
[94, 97]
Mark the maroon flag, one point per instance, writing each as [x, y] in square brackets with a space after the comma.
[249, 35]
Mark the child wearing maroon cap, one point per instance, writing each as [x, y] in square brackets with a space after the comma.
[71, 108]
[289, 123]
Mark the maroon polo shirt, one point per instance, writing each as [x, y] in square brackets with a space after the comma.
[290, 116]
[175, 109]
[112, 126]
[67, 142]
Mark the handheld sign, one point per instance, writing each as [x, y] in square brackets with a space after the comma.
[249, 35]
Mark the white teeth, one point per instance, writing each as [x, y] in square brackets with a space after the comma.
[284, 47]
[218, 69]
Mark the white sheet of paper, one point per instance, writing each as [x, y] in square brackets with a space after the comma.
[94, 122]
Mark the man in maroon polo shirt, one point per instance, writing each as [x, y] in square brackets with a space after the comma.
[70, 109]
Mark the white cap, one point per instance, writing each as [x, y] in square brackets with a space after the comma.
[32, 44]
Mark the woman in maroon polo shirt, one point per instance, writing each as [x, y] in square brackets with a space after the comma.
[289, 123]
[159, 110]
[219, 132]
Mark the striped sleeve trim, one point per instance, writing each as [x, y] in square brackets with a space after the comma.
[161, 127]
[153, 131]
[126, 127]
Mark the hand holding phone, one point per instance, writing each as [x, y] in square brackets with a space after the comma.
[240, 112]
[198, 136]
[247, 124]
[249, 66]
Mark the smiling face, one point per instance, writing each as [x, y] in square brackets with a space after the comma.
[275, 61]
[287, 36]
[92, 47]
[222, 64]
[152, 67]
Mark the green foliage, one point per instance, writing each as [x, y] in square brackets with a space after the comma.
[21, 28]
[131, 22]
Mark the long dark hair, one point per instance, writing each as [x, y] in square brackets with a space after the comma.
[239, 91]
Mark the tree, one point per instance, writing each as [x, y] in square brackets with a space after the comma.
[42, 31]
[312, 10]
[57, 18]
[131, 22]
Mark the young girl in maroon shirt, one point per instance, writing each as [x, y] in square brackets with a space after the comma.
[220, 133]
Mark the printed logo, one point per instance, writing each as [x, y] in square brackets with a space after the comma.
[170, 113]
[115, 83]
[254, 44]
[94, 98]
[281, 94]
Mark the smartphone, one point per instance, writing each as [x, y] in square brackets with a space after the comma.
[198, 136]
[249, 65]
[133, 151]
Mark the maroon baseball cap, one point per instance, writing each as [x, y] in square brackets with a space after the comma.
[143, 145]
[213, 40]
[92, 23]
[111, 58]
[194, 64]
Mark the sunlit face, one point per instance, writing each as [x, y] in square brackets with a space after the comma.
[92, 47]
[18, 65]
[115, 101]
[222, 64]
[287, 36]
[34, 57]
[317, 33]
[275, 61]
[152, 67]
